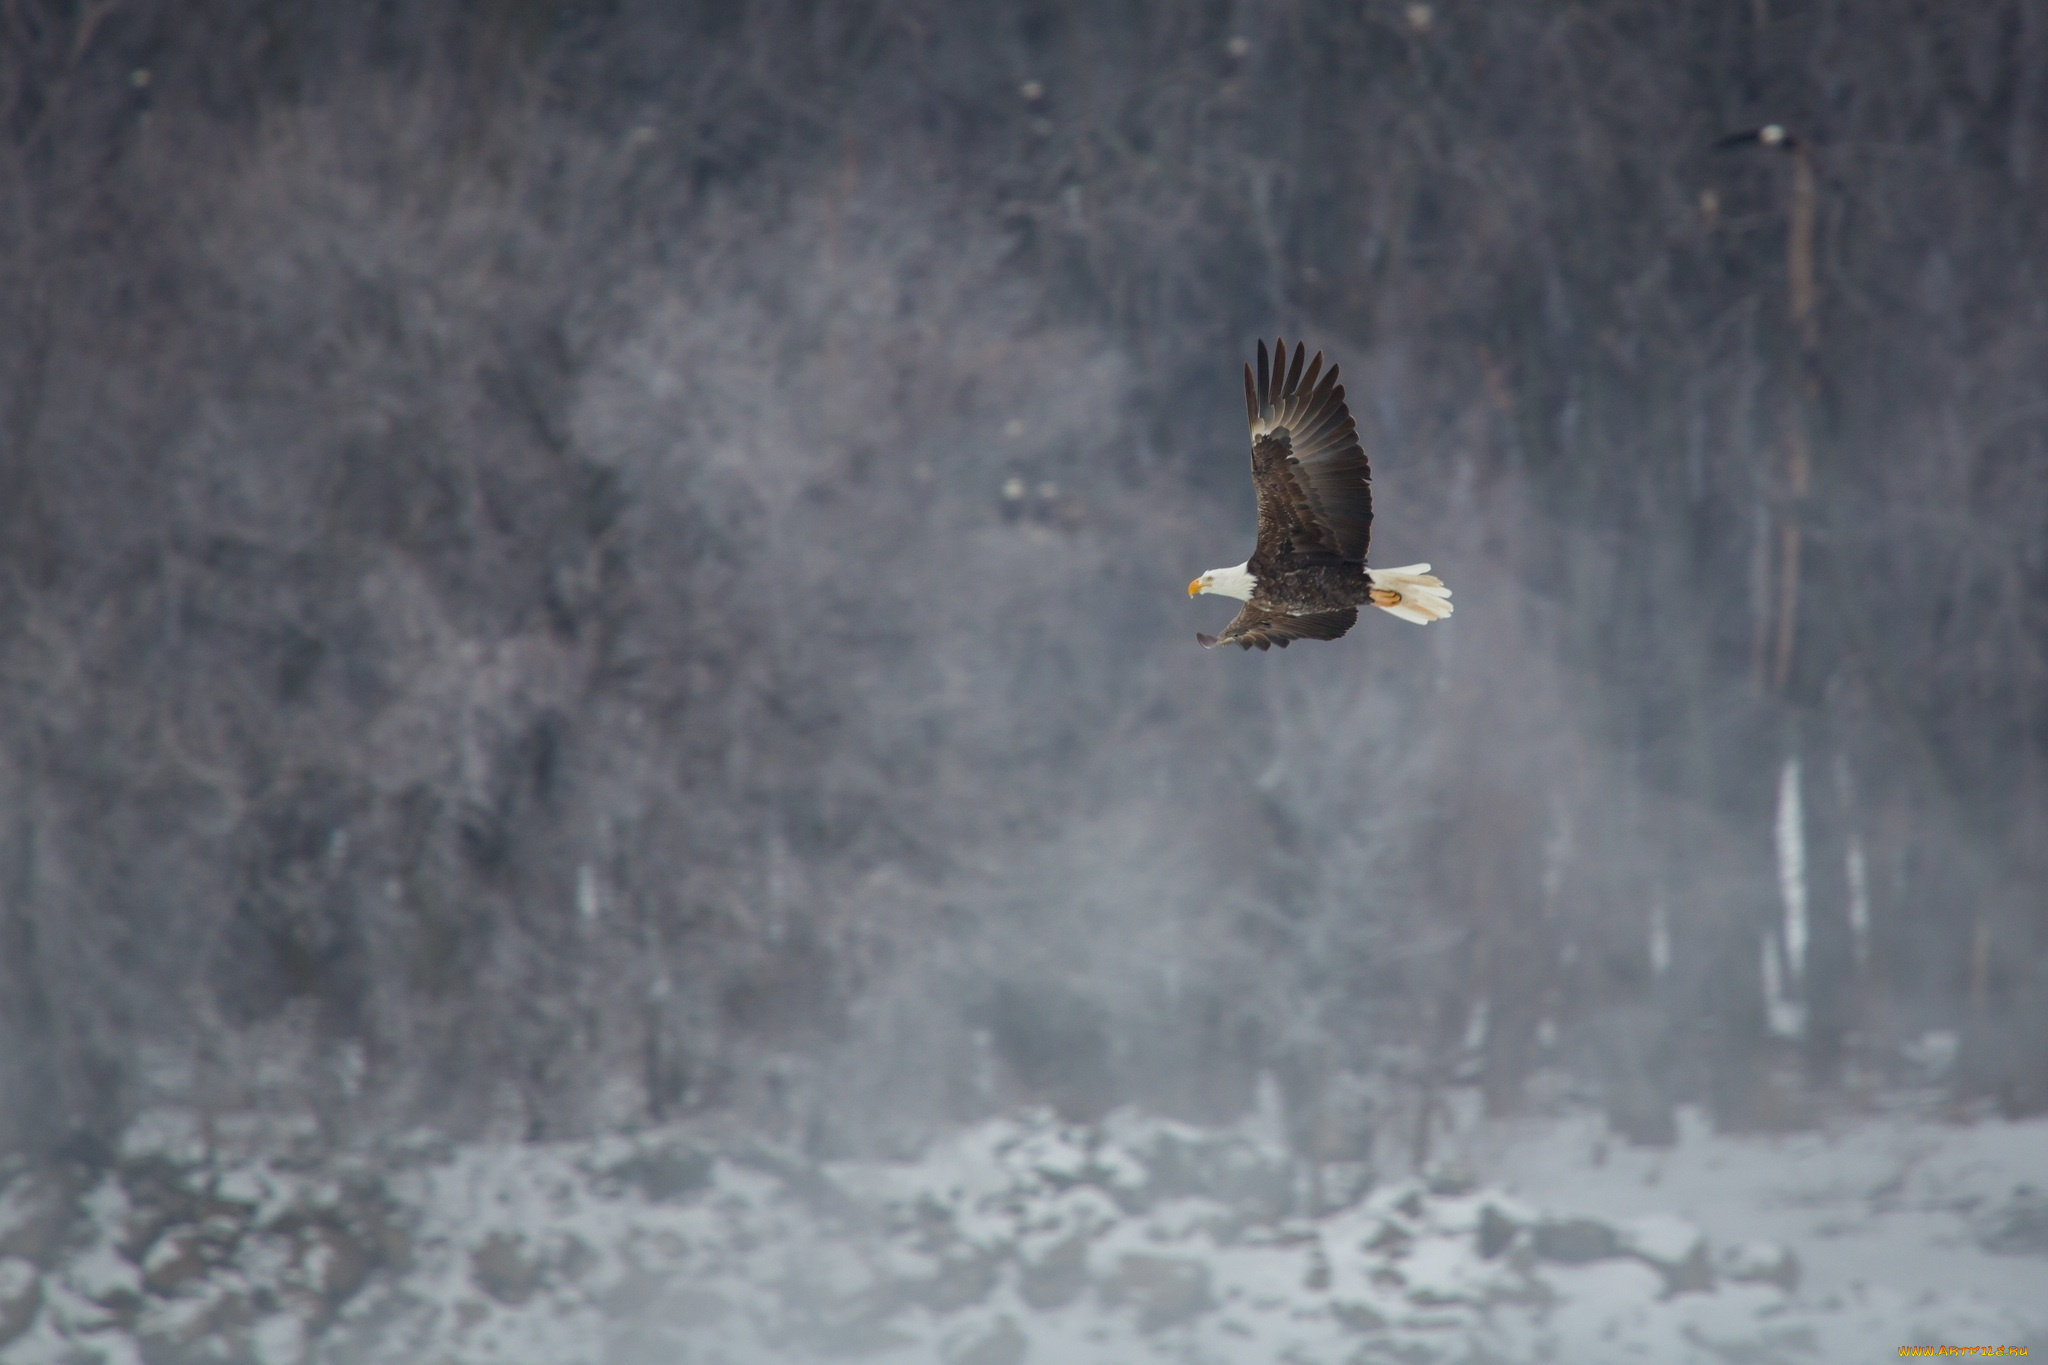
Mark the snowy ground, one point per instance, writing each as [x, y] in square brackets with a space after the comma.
[1025, 1240]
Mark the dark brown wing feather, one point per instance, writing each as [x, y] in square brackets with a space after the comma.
[1313, 481]
[1260, 626]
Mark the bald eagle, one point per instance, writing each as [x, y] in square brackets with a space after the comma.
[1307, 578]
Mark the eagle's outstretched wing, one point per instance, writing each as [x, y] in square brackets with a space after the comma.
[1263, 627]
[1313, 482]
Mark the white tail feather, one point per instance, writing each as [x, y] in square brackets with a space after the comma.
[1423, 598]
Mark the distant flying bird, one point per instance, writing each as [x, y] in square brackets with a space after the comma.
[1772, 135]
[1307, 578]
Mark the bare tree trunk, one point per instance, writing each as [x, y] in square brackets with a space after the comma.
[1830, 962]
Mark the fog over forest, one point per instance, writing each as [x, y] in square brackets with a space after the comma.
[574, 567]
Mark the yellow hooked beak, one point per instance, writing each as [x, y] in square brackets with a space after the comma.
[1195, 588]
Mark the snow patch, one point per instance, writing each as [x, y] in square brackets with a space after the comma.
[1027, 1239]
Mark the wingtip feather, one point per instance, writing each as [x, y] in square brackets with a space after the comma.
[1308, 380]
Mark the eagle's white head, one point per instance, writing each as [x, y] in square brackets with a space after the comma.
[1233, 582]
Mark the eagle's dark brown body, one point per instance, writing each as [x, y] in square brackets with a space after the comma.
[1322, 587]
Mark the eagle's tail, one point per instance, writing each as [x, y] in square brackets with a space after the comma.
[1411, 593]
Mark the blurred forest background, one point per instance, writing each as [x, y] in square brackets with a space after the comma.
[569, 565]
